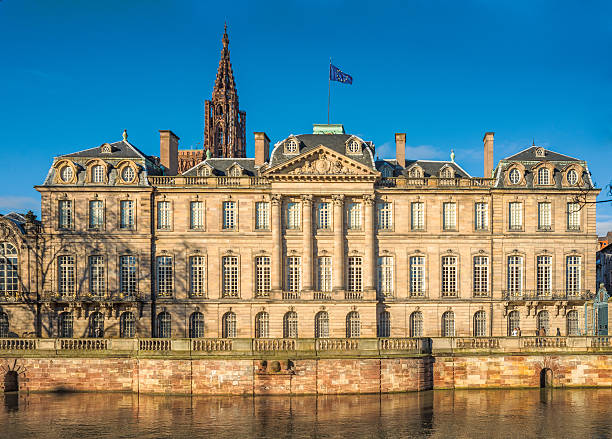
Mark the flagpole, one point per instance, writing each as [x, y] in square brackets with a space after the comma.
[329, 89]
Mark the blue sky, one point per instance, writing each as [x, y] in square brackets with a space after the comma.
[74, 74]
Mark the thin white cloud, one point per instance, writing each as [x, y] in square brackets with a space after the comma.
[10, 203]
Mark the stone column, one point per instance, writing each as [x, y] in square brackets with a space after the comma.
[277, 243]
[307, 242]
[369, 262]
[338, 257]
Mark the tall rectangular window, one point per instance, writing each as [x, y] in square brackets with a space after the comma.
[294, 218]
[354, 216]
[196, 215]
[294, 274]
[544, 274]
[385, 216]
[449, 276]
[325, 274]
[449, 217]
[355, 274]
[197, 276]
[65, 275]
[515, 275]
[164, 215]
[417, 214]
[417, 276]
[515, 216]
[572, 274]
[96, 214]
[128, 282]
[385, 276]
[481, 220]
[230, 215]
[323, 213]
[544, 217]
[262, 215]
[262, 276]
[230, 276]
[165, 278]
[126, 214]
[96, 276]
[65, 214]
[481, 276]
[573, 216]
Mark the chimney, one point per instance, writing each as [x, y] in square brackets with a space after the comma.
[168, 151]
[400, 149]
[488, 154]
[262, 148]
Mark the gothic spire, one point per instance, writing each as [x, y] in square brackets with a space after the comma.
[225, 75]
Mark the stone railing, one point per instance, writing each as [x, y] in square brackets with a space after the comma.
[211, 344]
[87, 344]
[337, 344]
[274, 344]
[214, 181]
[442, 345]
[154, 344]
[322, 295]
[9, 344]
[87, 297]
[547, 295]
[353, 295]
[407, 182]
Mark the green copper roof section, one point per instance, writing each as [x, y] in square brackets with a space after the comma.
[321, 128]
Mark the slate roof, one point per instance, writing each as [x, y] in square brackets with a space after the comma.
[221, 165]
[121, 150]
[529, 155]
[431, 168]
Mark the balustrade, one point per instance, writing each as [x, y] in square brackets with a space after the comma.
[274, 344]
[399, 344]
[154, 344]
[211, 344]
[9, 344]
[547, 295]
[337, 344]
[322, 295]
[291, 295]
[477, 343]
[353, 295]
[87, 344]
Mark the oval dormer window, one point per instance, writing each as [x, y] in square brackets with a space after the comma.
[128, 174]
[572, 177]
[66, 174]
[354, 147]
[291, 146]
[515, 176]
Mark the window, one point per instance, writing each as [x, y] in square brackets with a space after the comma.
[290, 325]
[197, 276]
[572, 323]
[480, 324]
[262, 215]
[387, 172]
[543, 176]
[293, 216]
[353, 325]
[230, 216]
[196, 215]
[165, 277]
[262, 325]
[355, 280]
[544, 273]
[291, 146]
[354, 147]
[324, 221]
[127, 214]
[446, 172]
[449, 276]
[448, 324]
[354, 216]
[127, 325]
[514, 321]
[325, 274]
[515, 275]
[228, 328]
[128, 174]
[230, 276]
[65, 266]
[544, 220]
[64, 325]
[96, 276]
[515, 215]
[385, 216]
[65, 214]
[417, 276]
[164, 215]
[236, 171]
[572, 177]
[417, 215]
[384, 324]
[321, 325]
[449, 219]
[66, 174]
[96, 214]
[515, 176]
[416, 324]
[9, 275]
[414, 172]
[164, 325]
[573, 216]
[204, 171]
[481, 221]
[385, 276]
[481, 276]
[128, 282]
[4, 325]
[572, 274]
[262, 276]
[96, 325]
[294, 274]
[543, 321]
[196, 325]
[97, 174]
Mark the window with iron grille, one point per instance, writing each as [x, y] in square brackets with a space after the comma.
[96, 276]
[515, 275]
[164, 325]
[417, 275]
[384, 324]
[230, 216]
[4, 325]
[96, 214]
[572, 274]
[262, 276]
[294, 273]
[449, 276]
[573, 216]
[196, 325]
[196, 215]
[97, 174]
[262, 215]
[353, 325]
[228, 329]
[385, 275]
[543, 176]
[127, 214]
[544, 273]
[544, 219]
[448, 324]
[482, 216]
[197, 276]
[324, 222]
[230, 276]
[65, 214]
[96, 325]
[322, 325]
[572, 323]
[65, 325]
[449, 219]
[385, 216]
[65, 265]
[417, 210]
[354, 216]
[127, 325]
[9, 276]
[294, 217]
[543, 321]
[515, 217]
[481, 275]
[165, 278]
[480, 324]
[355, 274]
[262, 325]
[164, 215]
[514, 321]
[325, 273]
[290, 325]
[416, 324]
[128, 281]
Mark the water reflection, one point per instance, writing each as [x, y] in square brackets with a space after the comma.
[489, 413]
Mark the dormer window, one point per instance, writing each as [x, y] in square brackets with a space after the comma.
[106, 149]
[235, 171]
[543, 176]
[66, 174]
[387, 172]
[353, 147]
[128, 174]
[572, 177]
[97, 174]
[204, 171]
[515, 176]
[291, 146]
[446, 172]
[539, 152]
[414, 172]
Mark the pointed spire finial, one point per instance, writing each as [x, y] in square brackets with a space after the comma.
[124, 134]
[225, 37]
[533, 143]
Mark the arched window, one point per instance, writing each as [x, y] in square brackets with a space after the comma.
[322, 325]
[96, 325]
[446, 172]
[97, 174]
[384, 324]
[543, 176]
[515, 176]
[236, 171]
[291, 146]
[127, 325]
[4, 325]
[164, 325]
[480, 324]
[8, 268]
[228, 329]
[448, 324]
[416, 324]
[64, 325]
[544, 322]
[196, 325]
[514, 321]
[353, 325]
[262, 325]
[415, 172]
[572, 323]
[290, 325]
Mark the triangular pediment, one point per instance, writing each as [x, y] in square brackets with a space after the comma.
[319, 162]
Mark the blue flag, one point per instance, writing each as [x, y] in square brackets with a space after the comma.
[335, 74]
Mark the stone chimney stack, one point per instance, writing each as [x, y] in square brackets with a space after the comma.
[168, 151]
[262, 148]
[400, 149]
[488, 154]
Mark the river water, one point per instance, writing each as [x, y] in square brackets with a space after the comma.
[467, 413]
